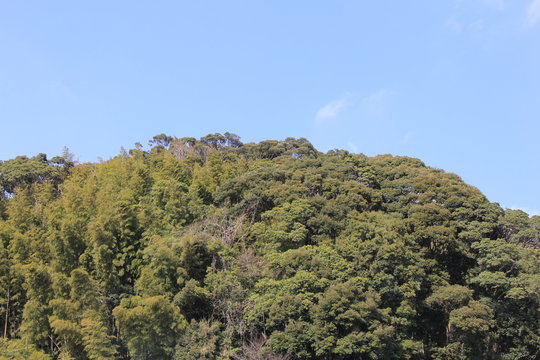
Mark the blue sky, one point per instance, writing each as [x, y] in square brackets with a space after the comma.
[453, 82]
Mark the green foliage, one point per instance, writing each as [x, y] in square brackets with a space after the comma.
[517, 227]
[149, 326]
[19, 350]
[201, 341]
[193, 300]
[450, 297]
[214, 249]
[35, 326]
[23, 171]
[97, 343]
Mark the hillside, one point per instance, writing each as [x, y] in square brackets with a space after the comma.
[215, 249]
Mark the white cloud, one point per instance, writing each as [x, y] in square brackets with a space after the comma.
[61, 91]
[473, 27]
[375, 105]
[477, 26]
[533, 13]
[531, 212]
[499, 4]
[331, 110]
[353, 147]
[407, 137]
[375, 97]
[454, 25]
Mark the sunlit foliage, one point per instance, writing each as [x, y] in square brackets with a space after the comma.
[214, 249]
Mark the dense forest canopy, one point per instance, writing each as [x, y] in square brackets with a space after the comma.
[214, 249]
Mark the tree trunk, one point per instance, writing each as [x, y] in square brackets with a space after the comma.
[7, 315]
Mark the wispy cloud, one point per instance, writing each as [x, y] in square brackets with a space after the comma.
[477, 26]
[474, 27]
[454, 25]
[407, 137]
[499, 4]
[533, 13]
[61, 91]
[375, 105]
[462, 19]
[374, 97]
[331, 110]
[352, 146]
[372, 103]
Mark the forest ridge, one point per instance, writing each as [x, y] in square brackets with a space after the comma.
[214, 249]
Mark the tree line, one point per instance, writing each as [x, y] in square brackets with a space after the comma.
[214, 249]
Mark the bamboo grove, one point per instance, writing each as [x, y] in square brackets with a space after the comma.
[214, 249]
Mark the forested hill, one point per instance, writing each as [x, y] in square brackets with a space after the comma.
[214, 249]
